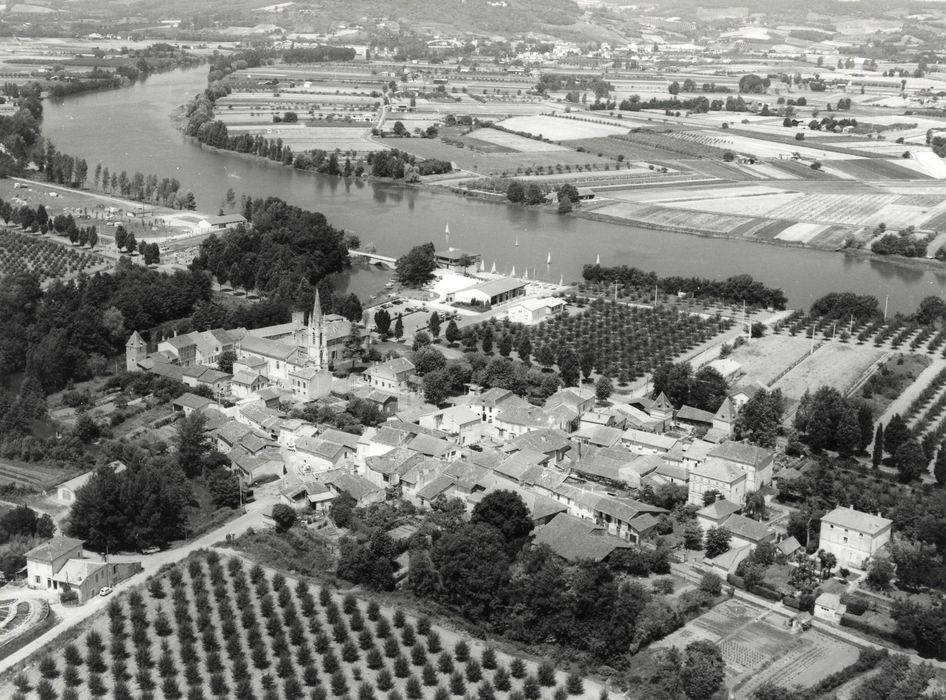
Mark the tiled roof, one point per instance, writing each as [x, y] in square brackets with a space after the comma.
[55, 548]
[575, 539]
[741, 452]
[856, 520]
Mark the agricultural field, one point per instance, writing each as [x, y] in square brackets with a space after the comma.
[627, 341]
[514, 142]
[838, 365]
[562, 128]
[495, 160]
[613, 147]
[326, 138]
[866, 169]
[34, 476]
[21, 252]
[222, 629]
[676, 219]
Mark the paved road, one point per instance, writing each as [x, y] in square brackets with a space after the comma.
[70, 616]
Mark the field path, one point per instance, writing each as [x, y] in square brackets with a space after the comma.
[902, 402]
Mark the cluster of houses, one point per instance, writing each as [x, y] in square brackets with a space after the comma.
[577, 466]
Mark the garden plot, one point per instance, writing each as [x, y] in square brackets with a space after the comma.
[833, 364]
[514, 142]
[764, 359]
[327, 138]
[559, 129]
[211, 629]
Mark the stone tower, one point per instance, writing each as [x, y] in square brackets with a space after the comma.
[136, 350]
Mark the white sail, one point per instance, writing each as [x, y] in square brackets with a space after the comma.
[525, 275]
[561, 281]
[598, 259]
[447, 230]
[493, 268]
[548, 258]
[482, 265]
[516, 244]
[513, 273]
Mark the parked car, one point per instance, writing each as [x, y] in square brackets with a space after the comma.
[150, 550]
[105, 591]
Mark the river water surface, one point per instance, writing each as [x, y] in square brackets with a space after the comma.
[130, 129]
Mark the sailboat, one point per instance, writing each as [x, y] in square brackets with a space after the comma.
[482, 265]
[493, 268]
[598, 259]
[548, 259]
[525, 275]
[516, 244]
[513, 273]
[561, 281]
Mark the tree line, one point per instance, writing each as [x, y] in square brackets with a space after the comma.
[733, 290]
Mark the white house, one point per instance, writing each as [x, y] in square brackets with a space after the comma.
[852, 536]
[532, 311]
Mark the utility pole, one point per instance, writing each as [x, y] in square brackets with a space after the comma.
[886, 299]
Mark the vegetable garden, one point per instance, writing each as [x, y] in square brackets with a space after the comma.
[22, 253]
[210, 629]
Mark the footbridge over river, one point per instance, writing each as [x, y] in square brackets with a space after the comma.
[374, 258]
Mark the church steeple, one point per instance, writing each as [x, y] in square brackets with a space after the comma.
[316, 318]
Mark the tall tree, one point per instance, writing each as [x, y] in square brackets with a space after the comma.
[192, 443]
[878, 454]
[382, 322]
[434, 324]
[895, 434]
[910, 460]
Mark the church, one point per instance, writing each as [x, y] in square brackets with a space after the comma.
[297, 349]
[297, 356]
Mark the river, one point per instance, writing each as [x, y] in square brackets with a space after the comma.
[130, 129]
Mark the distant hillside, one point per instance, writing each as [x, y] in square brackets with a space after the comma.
[483, 16]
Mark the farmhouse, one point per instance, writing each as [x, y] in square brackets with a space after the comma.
[492, 293]
[852, 536]
[60, 565]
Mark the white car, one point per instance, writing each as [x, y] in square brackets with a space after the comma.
[151, 550]
[105, 591]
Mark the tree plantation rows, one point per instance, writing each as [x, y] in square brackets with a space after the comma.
[45, 259]
[210, 629]
[619, 341]
[854, 318]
